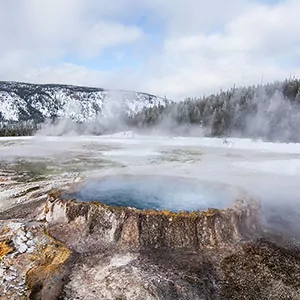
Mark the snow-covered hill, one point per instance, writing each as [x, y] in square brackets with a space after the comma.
[38, 102]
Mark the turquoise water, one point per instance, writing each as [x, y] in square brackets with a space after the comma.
[155, 192]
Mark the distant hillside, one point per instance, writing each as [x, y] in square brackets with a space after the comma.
[38, 102]
[270, 112]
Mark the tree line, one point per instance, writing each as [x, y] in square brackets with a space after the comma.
[270, 112]
[25, 128]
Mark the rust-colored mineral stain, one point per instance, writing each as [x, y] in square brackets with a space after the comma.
[164, 212]
[4, 231]
[5, 248]
[45, 280]
[55, 194]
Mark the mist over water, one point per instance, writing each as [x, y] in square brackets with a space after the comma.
[280, 206]
[156, 192]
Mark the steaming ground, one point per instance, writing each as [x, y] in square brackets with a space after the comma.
[237, 168]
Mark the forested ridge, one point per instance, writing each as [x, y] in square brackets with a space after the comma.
[270, 112]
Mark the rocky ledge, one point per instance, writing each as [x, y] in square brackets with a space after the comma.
[93, 251]
[88, 227]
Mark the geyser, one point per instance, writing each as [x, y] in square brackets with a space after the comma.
[155, 192]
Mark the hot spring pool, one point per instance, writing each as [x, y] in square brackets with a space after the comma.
[155, 192]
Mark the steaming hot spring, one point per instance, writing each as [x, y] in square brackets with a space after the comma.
[151, 218]
[179, 194]
[155, 193]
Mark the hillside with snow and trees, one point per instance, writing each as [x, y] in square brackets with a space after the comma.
[269, 112]
[25, 107]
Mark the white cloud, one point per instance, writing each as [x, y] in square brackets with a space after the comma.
[257, 43]
[33, 33]
[185, 17]
[207, 45]
[78, 75]
[104, 35]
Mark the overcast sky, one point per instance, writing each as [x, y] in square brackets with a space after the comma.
[176, 48]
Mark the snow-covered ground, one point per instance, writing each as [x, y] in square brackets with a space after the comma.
[266, 171]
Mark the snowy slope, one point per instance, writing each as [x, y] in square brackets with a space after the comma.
[22, 101]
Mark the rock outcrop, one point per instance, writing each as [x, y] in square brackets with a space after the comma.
[89, 227]
[93, 251]
[32, 264]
